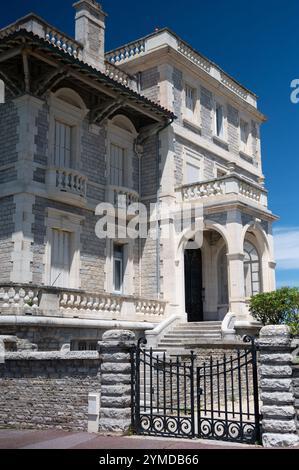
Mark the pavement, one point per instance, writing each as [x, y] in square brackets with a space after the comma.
[55, 439]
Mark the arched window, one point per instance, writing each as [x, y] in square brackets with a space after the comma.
[223, 278]
[121, 135]
[251, 270]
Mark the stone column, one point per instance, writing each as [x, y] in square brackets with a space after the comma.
[276, 389]
[115, 407]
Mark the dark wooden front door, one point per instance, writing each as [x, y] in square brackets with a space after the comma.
[193, 285]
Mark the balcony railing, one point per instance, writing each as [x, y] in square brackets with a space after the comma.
[67, 181]
[126, 52]
[115, 73]
[224, 186]
[44, 30]
[120, 197]
[16, 299]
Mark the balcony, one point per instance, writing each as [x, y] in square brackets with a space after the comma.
[17, 299]
[231, 188]
[66, 184]
[35, 24]
[121, 198]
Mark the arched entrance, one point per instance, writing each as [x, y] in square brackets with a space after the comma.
[206, 279]
[193, 285]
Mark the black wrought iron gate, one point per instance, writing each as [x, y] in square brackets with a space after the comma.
[186, 397]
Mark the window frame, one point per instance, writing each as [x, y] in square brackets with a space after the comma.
[245, 148]
[124, 139]
[73, 116]
[191, 115]
[250, 265]
[120, 260]
[68, 222]
[195, 159]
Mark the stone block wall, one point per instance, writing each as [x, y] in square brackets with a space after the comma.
[277, 392]
[48, 390]
[296, 393]
[7, 211]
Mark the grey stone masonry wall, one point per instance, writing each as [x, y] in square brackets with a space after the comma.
[7, 210]
[115, 349]
[8, 133]
[276, 388]
[296, 392]
[149, 84]
[48, 390]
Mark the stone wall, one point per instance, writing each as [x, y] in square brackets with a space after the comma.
[7, 211]
[48, 390]
[149, 84]
[296, 393]
[8, 133]
[277, 392]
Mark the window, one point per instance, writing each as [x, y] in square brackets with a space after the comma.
[117, 165]
[190, 98]
[63, 143]
[67, 112]
[251, 270]
[219, 121]
[193, 173]
[244, 135]
[60, 258]
[118, 268]
[193, 166]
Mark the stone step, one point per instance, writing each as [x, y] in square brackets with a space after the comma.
[199, 324]
[207, 328]
[180, 340]
[182, 335]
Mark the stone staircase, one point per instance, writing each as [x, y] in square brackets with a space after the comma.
[184, 334]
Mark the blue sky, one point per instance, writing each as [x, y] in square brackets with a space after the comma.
[257, 45]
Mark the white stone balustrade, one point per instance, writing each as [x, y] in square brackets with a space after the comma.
[150, 307]
[33, 23]
[193, 56]
[115, 73]
[51, 301]
[18, 297]
[68, 181]
[121, 198]
[92, 303]
[224, 186]
[130, 50]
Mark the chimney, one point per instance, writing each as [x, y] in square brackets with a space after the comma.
[90, 31]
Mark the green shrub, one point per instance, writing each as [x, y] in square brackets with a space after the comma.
[280, 307]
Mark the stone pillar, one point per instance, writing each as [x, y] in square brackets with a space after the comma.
[115, 408]
[276, 389]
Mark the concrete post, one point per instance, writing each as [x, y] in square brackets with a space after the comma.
[115, 408]
[276, 388]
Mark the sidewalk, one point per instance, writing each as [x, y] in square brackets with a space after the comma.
[55, 439]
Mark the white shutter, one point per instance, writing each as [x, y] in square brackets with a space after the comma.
[60, 258]
[193, 174]
[117, 165]
[62, 153]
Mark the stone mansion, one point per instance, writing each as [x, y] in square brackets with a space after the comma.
[154, 121]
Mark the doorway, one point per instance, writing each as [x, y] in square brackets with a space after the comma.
[193, 285]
